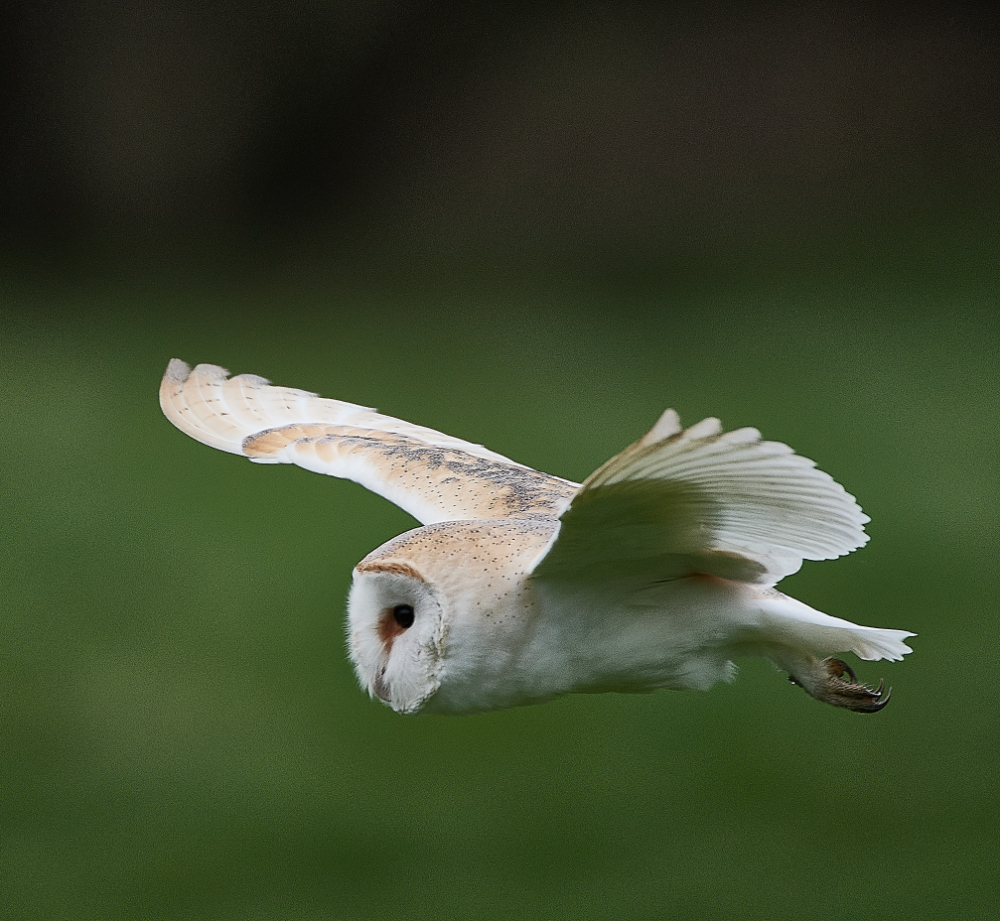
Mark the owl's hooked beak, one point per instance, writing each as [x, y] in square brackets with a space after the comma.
[825, 681]
[379, 685]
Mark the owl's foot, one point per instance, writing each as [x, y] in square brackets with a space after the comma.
[827, 683]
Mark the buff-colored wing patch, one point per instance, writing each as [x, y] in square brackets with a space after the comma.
[431, 475]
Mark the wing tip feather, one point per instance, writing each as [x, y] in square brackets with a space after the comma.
[177, 371]
[181, 394]
[255, 380]
[668, 425]
[212, 372]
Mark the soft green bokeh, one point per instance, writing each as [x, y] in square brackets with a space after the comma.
[182, 736]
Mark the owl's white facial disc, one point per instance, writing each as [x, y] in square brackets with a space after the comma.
[395, 624]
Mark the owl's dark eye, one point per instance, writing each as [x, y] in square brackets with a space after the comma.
[403, 615]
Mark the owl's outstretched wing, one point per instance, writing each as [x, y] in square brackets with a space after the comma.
[431, 475]
[703, 501]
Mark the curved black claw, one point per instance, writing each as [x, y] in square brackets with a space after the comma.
[850, 693]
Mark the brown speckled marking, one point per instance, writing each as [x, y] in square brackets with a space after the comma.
[450, 553]
[475, 486]
[390, 566]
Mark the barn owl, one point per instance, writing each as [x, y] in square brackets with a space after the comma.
[520, 586]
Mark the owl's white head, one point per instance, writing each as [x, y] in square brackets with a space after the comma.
[396, 627]
[438, 617]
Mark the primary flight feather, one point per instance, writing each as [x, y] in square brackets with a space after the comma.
[520, 586]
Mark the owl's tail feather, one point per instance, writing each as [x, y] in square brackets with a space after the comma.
[796, 626]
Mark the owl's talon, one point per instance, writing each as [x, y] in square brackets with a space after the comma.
[831, 686]
[838, 668]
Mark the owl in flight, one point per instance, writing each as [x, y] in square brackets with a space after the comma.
[520, 586]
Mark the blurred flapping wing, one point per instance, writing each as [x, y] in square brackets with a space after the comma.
[701, 500]
[431, 475]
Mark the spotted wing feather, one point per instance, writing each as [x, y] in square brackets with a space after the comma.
[431, 475]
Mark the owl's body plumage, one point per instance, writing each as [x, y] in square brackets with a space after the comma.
[522, 586]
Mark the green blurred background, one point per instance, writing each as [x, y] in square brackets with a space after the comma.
[533, 228]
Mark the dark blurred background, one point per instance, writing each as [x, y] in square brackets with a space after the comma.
[597, 139]
[533, 226]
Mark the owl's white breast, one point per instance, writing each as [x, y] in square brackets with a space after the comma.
[543, 639]
[509, 639]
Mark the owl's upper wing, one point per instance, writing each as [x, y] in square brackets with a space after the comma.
[703, 501]
[429, 474]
